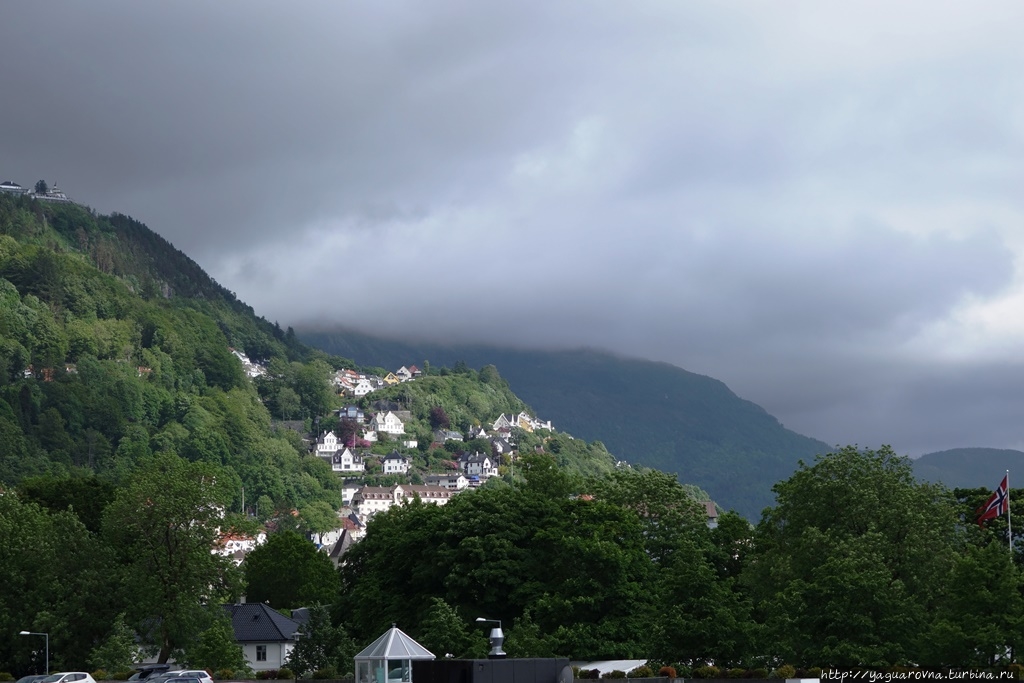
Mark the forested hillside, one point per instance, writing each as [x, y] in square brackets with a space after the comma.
[115, 347]
[653, 414]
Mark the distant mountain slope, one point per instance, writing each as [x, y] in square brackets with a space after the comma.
[653, 414]
[971, 467]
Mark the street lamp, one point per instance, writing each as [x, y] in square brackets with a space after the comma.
[45, 635]
[496, 638]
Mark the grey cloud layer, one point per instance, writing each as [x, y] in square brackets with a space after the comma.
[783, 198]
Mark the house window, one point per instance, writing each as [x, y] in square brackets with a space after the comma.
[261, 653]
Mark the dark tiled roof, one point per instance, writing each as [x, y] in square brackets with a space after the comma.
[255, 622]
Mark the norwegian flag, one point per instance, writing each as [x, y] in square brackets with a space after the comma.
[997, 504]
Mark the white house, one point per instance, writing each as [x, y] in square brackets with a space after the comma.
[237, 546]
[370, 500]
[348, 491]
[267, 637]
[395, 463]
[12, 187]
[326, 444]
[523, 420]
[478, 465]
[453, 482]
[363, 387]
[388, 423]
[347, 460]
[252, 370]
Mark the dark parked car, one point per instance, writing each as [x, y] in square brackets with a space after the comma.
[182, 676]
[144, 671]
[31, 679]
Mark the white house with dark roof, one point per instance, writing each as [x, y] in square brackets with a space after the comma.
[502, 446]
[12, 187]
[347, 461]
[327, 443]
[267, 637]
[395, 463]
[478, 465]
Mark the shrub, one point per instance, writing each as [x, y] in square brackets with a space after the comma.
[224, 675]
[590, 674]
[784, 671]
[268, 675]
[4, 676]
[285, 674]
[98, 674]
[706, 672]
[122, 675]
[735, 673]
[642, 671]
[668, 671]
[762, 673]
[615, 674]
[815, 672]
[326, 673]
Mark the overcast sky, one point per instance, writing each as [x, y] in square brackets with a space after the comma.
[818, 203]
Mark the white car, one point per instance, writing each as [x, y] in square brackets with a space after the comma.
[69, 677]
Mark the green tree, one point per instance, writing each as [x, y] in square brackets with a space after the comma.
[163, 525]
[852, 560]
[578, 565]
[118, 652]
[56, 579]
[318, 518]
[85, 496]
[322, 646]
[444, 632]
[42, 187]
[979, 620]
[216, 649]
[525, 639]
[289, 572]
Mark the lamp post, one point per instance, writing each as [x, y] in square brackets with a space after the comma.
[45, 635]
[496, 638]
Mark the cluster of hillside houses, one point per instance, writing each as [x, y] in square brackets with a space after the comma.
[52, 193]
[356, 384]
[469, 469]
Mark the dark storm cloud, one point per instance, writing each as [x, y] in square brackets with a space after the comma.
[818, 205]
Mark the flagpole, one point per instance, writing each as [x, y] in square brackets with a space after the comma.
[1009, 522]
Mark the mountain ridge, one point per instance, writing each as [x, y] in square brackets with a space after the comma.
[969, 467]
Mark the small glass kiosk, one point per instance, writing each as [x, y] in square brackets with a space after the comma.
[389, 658]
